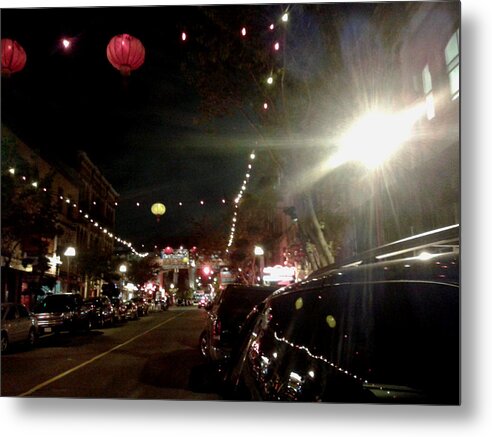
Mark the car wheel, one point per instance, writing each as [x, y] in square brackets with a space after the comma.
[32, 337]
[5, 342]
[204, 345]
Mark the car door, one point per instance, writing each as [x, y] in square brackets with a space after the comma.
[11, 321]
[24, 322]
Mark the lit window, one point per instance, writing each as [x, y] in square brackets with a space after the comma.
[452, 53]
[429, 98]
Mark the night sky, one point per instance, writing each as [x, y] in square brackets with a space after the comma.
[142, 134]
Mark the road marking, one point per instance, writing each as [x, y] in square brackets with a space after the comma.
[73, 369]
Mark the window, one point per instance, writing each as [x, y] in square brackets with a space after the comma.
[429, 97]
[452, 53]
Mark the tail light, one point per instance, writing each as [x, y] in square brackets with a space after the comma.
[216, 330]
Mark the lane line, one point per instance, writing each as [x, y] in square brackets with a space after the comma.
[73, 369]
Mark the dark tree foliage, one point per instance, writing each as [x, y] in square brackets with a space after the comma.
[94, 264]
[210, 236]
[142, 270]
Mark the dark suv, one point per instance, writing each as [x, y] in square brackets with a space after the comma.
[62, 312]
[226, 316]
[386, 332]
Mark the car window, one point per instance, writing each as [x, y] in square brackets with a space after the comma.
[11, 313]
[22, 311]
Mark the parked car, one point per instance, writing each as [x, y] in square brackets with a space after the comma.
[142, 305]
[162, 303]
[226, 316]
[386, 332]
[18, 326]
[62, 312]
[119, 309]
[204, 301]
[131, 310]
[101, 310]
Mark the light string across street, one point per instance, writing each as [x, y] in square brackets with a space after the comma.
[84, 214]
[237, 200]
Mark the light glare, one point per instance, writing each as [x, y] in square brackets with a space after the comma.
[375, 137]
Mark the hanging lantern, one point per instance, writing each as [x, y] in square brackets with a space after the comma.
[13, 57]
[168, 250]
[158, 209]
[125, 53]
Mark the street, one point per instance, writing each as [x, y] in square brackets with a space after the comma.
[152, 358]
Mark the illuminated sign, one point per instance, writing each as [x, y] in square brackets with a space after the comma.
[178, 259]
[279, 274]
[226, 276]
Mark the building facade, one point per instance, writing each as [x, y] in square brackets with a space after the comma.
[85, 217]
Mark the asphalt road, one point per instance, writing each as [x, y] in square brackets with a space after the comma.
[156, 357]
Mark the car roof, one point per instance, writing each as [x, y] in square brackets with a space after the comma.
[253, 287]
[439, 268]
[430, 244]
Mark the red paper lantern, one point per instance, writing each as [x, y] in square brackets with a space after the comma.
[125, 53]
[168, 250]
[13, 57]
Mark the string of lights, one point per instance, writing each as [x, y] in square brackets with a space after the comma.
[269, 81]
[82, 213]
[67, 44]
[237, 200]
[201, 202]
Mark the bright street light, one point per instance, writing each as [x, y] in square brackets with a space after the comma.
[70, 251]
[259, 251]
[375, 136]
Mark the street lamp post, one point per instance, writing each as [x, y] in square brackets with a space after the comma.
[69, 253]
[123, 270]
[259, 252]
